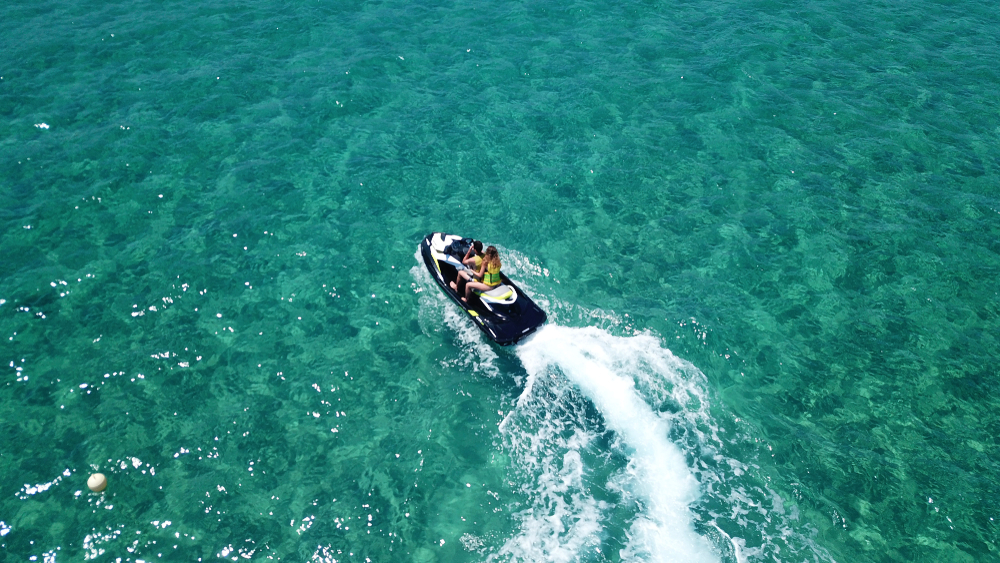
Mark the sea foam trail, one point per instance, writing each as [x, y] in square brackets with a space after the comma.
[584, 488]
[565, 520]
[478, 355]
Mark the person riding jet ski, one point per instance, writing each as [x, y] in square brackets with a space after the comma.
[474, 256]
[489, 274]
[496, 305]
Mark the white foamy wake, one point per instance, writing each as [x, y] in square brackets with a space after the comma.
[478, 355]
[551, 440]
[612, 440]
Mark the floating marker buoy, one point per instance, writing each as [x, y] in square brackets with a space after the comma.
[97, 482]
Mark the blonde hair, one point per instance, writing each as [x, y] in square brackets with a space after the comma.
[491, 257]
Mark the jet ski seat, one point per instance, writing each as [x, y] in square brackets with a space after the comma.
[502, 294]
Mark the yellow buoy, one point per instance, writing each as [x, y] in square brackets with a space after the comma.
[97, 482]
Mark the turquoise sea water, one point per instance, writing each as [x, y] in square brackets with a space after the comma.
[767, 235]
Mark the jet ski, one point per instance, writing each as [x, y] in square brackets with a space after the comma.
[504, 314]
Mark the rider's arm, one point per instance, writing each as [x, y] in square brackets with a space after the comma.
[482, 270]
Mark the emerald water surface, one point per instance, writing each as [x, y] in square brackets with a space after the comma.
[767, 235]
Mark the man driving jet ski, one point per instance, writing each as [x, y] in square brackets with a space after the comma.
[471, 261]
[474, 256]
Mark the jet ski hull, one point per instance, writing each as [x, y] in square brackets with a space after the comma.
[504, 322]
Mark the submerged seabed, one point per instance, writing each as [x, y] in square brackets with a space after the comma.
[766, 235]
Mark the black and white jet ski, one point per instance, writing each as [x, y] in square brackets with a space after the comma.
[505, 314]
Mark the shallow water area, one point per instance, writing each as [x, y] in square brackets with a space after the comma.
[766, 236]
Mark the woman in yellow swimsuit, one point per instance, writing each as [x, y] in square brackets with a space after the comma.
[488, 274]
